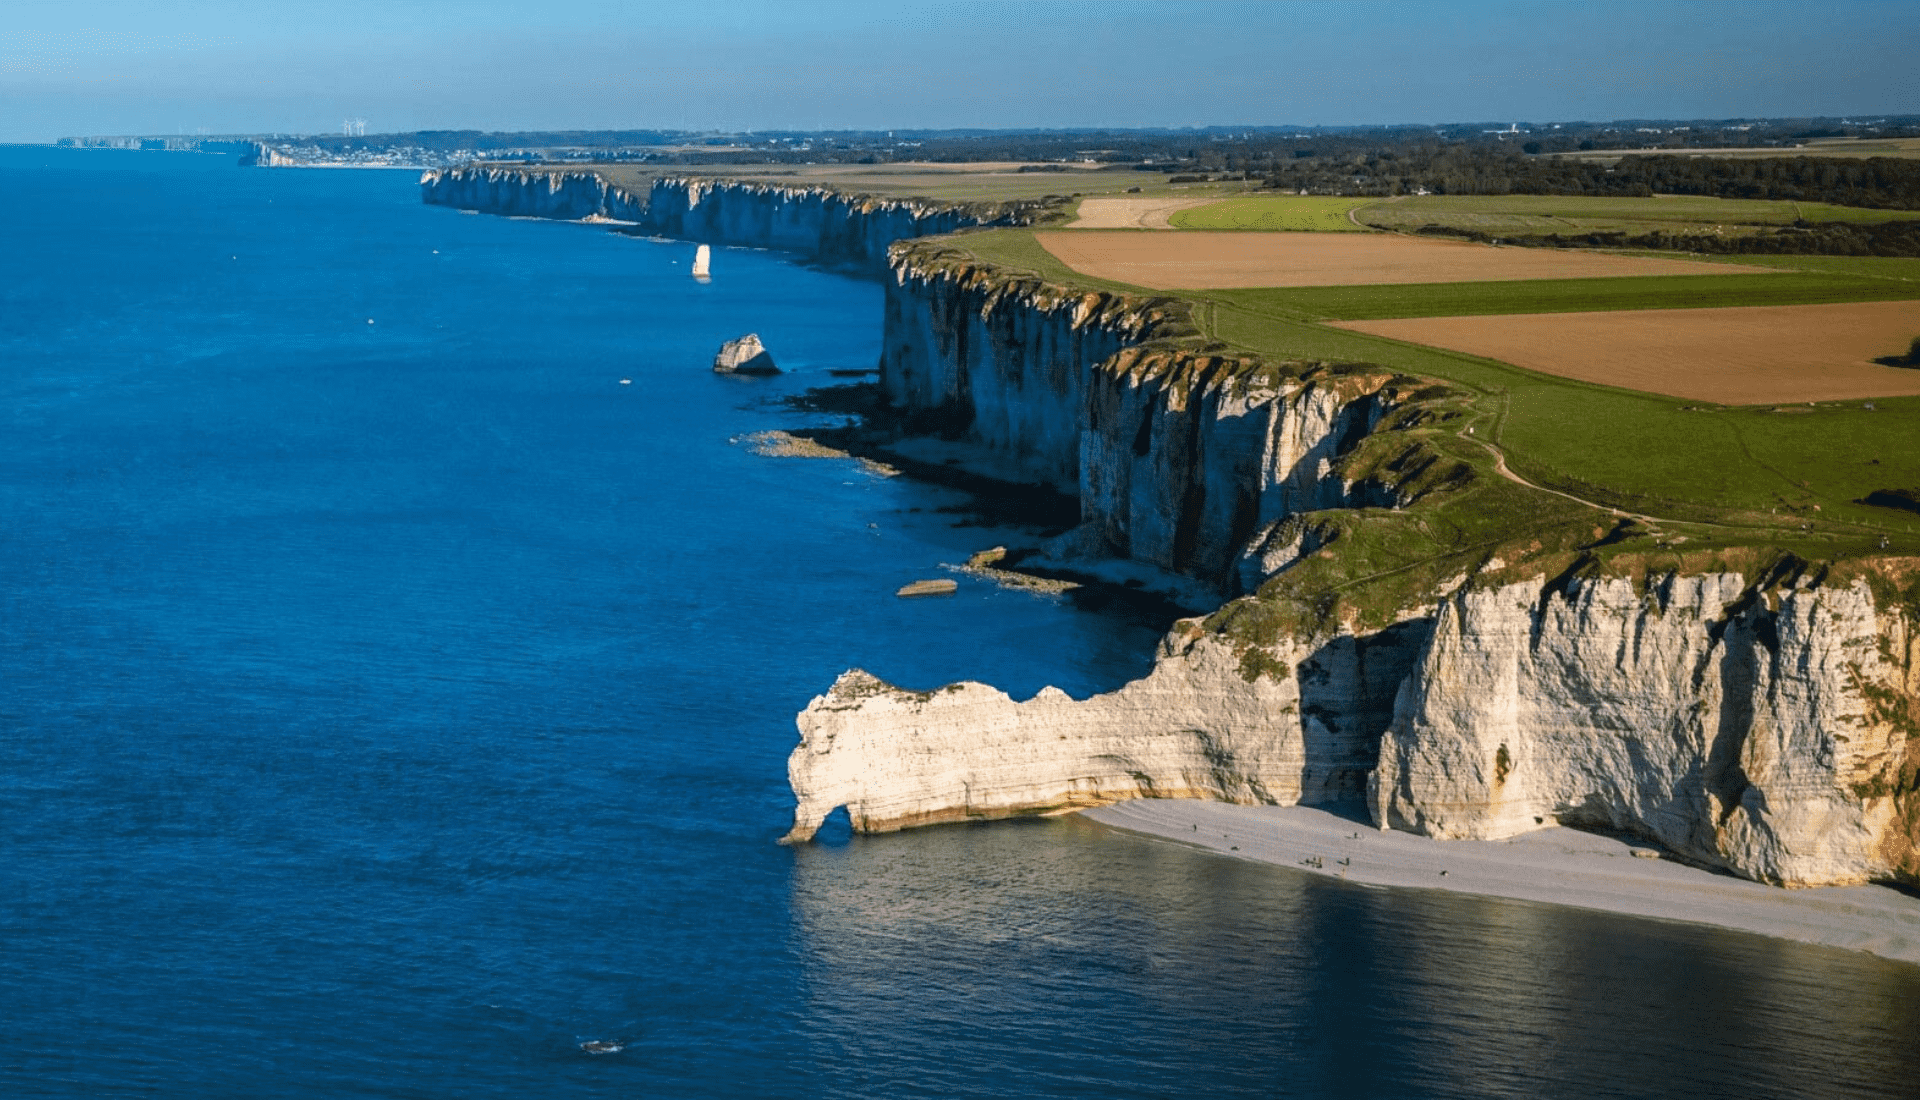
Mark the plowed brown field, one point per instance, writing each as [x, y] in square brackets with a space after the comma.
[1747, 355]
[1208, 261]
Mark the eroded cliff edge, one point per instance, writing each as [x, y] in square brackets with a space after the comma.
[1470, 656]
[820, 224]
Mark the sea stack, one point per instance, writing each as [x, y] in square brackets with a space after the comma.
[747, 355]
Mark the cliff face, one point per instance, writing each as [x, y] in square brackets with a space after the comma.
[1776, 741]
[565, 195]
[1178, 457]
[816, 223]
[258, 154]
[1760, 721]
[1767, 726]
[1753, 732]
[1186, 458]
[1194, 728]
[1007, 361]
[823, 225]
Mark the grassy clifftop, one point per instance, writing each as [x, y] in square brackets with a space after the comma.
[1605, 481]
[1720, 474]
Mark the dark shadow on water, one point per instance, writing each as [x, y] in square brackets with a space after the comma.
[874, 425]
[1040, 510]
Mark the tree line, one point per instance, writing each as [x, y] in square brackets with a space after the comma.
[1900, 238]
[1885, 183]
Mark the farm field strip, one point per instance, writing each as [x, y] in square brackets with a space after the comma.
[1731, 356]
[973, 182]
[1819, 147]
[1205, 260]
[1133, 211]
[1523, 215]
[1267, 213]
[1364, 303]
[1902, 268]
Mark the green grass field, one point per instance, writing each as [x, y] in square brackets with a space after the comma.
[1017, 250]
[1904, 268]
[1767, 473]
[1644, 452]
[1540, 215]
[1274, 212]
[1366, 303]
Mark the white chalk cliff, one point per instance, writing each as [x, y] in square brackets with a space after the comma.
[1748, 736]
[815, 222]
[1194, 728]
[745, 355]
[1749, 711]
[1759, 721]
[1765, 740]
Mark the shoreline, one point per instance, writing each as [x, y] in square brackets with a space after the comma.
[1554, 866]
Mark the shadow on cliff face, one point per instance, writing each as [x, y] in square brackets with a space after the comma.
[1347, 692]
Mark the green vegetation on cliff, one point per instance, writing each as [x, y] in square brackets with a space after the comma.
[1733, 475]
[1645, 478]
[1777, 469]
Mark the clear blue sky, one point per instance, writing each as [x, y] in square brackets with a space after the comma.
[167, 66]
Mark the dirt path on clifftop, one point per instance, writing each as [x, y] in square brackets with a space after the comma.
[1500, 467]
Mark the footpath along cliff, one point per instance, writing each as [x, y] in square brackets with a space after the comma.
[1469, 657]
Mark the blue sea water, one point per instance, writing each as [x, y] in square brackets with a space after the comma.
[392, 701]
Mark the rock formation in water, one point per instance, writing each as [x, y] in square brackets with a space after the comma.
[746, 355]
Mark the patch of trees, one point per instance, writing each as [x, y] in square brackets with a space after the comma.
[1885, 183]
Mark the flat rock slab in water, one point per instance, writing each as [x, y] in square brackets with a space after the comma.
[929, 588]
